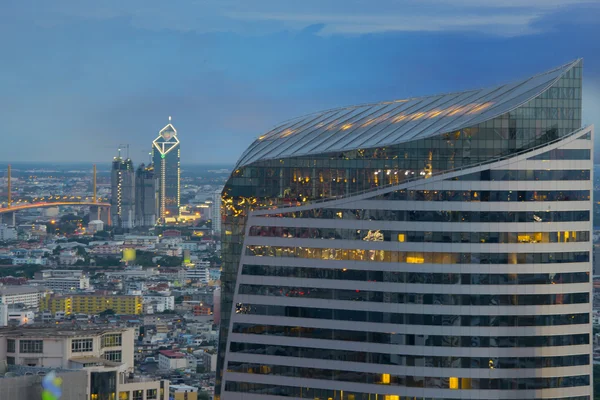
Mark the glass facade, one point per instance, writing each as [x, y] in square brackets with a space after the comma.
[288, 200]
[167, 168]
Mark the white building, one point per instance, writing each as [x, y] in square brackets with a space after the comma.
[64, 284]
[162, 302]
[197, 274]
[28, 296]
[170, 360]
[68, 257]
[29, 261]
[3, 314]
[216, 211]
[191, 246]
[95, 226]
[21, 317]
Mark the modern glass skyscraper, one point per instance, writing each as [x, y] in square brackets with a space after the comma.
[429, 248]
[145, 196]
[166, 161]
[122, 193]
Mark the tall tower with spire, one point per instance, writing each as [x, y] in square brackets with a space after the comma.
[167, 169]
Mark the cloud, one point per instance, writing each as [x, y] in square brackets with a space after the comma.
[496, 17]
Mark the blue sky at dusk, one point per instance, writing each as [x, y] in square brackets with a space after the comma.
[80, 77]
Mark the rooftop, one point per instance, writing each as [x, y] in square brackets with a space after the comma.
[12, 290]
[393, 122]
[172, 354]
[52, 331]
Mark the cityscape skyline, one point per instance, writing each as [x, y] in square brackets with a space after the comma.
[384, 200]
[225, 87]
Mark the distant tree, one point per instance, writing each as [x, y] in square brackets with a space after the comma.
[56, 250]
[81, 251]
[203, 396]
[101, 235]
[107, 312]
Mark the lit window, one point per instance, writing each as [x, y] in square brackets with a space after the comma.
[453, 382]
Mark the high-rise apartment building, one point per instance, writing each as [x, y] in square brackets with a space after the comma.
[122, 193]
[166, 158]
[428, 248]
[145, 196]
[216, 211]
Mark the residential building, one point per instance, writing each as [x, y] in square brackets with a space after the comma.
[170, 360]
[122, 193]
[20, 316]
[432, 247]
[163, 302]
[49, 347]
[3, 314]
[197, 274]
[69, 257]
[166, 164]
[183, 392]
[216, 211]
[61, 280]
[29, 261]
[7, 232]
[28, 296]
[145, 196]
[91, 304]
[105, 355]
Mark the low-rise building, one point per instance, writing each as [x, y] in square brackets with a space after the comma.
[183, 392]
[162, 302]
[105, 355]
[64, 284]
[29, 261]
[20, 317]
[170, 360]
[92, 304]
[29, 296]
[7, 232]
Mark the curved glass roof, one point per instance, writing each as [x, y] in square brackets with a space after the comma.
[394, 122]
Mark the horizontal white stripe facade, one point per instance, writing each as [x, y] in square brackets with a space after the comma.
[291, 356]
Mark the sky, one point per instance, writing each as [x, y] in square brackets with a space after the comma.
[79, 78]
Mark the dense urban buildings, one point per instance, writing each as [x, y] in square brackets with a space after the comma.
[166, 158]
[428, 248]
[122, 193]
[145, 196]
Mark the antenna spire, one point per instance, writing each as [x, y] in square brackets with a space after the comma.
[169, 118]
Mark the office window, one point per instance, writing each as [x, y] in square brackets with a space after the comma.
[138, 395]
[10, 345]
[82, 345]
[31, 346]
[151, 394]
[114, 355]
[123, 395]
[10, 360]
[112, 340]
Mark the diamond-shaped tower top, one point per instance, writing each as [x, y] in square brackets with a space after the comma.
[168, 132]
